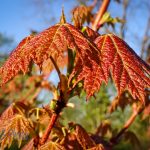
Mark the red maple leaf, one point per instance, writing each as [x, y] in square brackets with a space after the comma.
[128, 70]
[93, 65]
[53, 42]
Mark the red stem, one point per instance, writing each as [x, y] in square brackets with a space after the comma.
[49, 128]
[97, 23]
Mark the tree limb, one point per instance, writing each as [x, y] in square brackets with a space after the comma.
[49, 128]
[97, 23]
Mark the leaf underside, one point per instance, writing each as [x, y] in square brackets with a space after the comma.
[128, 70]
[83, 138]
[94, 63]
[53, 42]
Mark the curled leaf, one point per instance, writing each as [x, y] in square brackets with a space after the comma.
[11, 111]
[91, 34]
[70, 142]
[82, 14]
[133, 139]
[104, 128]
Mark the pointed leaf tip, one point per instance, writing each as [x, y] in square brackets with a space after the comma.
[62, 18]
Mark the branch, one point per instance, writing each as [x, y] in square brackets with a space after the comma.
[49, 128]
[58, 108]
[136, 111]
[97, 23]
[60, 104]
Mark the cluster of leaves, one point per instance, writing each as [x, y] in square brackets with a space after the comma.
[92, 59]
[93, 63]
[17, 123]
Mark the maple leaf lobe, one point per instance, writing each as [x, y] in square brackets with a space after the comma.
[128, 70]
[53, 42]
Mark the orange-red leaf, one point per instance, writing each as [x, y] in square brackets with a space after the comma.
[82, 14]
[91, 34]
[18, 61]
[53, 42]
[18, 127]
[70, 142]
[11, 111]
[129, 72]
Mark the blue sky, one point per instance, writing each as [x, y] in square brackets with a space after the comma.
[19, 17]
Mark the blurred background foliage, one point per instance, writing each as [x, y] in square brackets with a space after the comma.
[93, 115]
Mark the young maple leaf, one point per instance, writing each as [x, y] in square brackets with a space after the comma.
[128, 70]
[13, 125]
[133, 139]
[29, 145]
[53, 42]
[11, 111]
[32, 144]
[82, 14]
[70, 142]
[18, 61]
[18, 128]
[104, 128]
